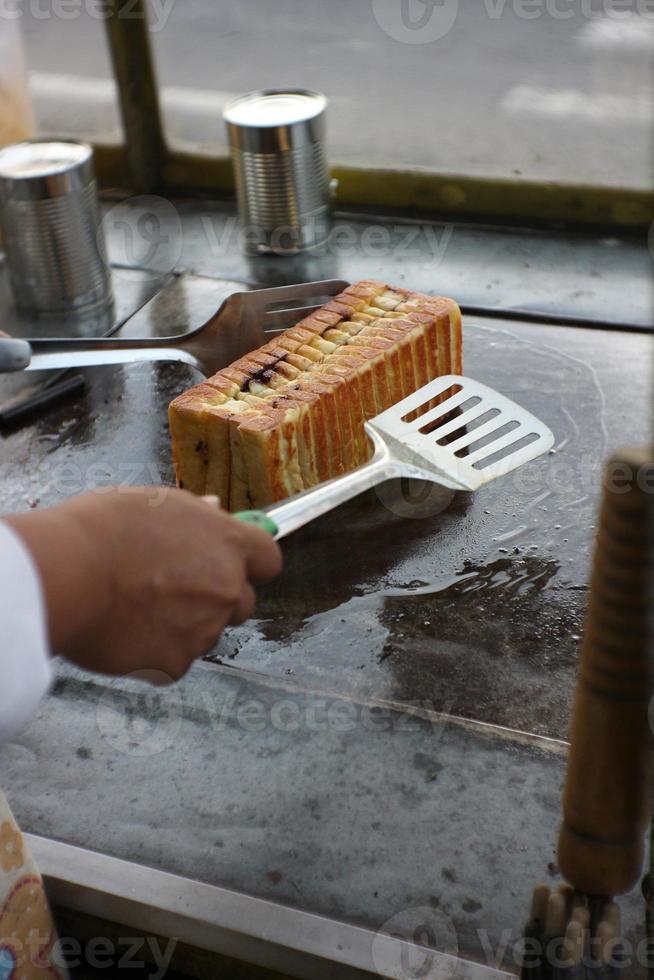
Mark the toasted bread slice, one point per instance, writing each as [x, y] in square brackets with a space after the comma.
[291, 414]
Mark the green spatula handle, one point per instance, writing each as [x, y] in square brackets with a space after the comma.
[258, 519]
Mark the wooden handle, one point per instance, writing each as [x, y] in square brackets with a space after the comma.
[606, 796]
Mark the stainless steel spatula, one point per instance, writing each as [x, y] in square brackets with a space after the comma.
[243, 322]
[471, 437]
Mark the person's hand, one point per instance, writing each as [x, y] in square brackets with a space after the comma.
[144, 578]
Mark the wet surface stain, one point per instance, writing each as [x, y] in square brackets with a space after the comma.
[495, 630]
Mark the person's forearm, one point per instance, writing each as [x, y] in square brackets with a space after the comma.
[73, 586]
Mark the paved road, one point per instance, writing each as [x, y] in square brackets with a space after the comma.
[545, 95]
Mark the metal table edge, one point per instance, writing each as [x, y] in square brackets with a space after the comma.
[230, 923]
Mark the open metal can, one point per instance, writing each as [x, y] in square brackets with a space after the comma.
[50, 221]
[277, 139]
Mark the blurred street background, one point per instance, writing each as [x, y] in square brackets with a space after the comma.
[509, 88]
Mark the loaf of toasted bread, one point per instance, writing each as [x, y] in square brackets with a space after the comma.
[290, 414]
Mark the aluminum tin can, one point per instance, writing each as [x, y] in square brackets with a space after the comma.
[50, 221]
[277, 139]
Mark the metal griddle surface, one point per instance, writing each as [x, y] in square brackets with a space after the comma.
[321, 796]
[476, 610]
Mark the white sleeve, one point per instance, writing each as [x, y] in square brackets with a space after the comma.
[25, 664]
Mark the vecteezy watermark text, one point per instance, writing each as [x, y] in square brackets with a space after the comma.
[557, 475]
[158, 11]
[140, 720]
[421, 943]
[427, 21]
[345, 239]
[145, 234]
[99, 953]
[66, 479]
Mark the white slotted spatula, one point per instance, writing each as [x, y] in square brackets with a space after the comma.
[471, 437]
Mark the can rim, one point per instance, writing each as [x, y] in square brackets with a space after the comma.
[41, 157]
[230, 112]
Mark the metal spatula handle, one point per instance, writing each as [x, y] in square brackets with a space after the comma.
[305, 507]
[95, 354]
[243, 322]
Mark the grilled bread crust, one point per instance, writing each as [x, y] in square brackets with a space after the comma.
[290, 414]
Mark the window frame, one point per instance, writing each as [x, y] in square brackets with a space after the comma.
[146, 163]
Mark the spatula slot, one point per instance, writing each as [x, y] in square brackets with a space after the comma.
[446, 413]
[429, 405]
[507, 450]
[281, 319]
[468, 427]
[282, 307]
[488, 438]
[296, 303]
